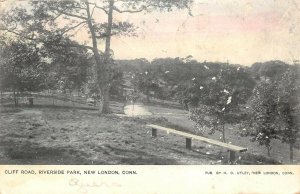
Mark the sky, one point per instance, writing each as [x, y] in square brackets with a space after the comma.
[237, 31]
[234, 31]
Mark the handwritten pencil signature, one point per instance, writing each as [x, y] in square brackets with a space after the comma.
[83, 187]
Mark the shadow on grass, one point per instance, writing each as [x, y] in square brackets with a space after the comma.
[30, 153]
[9, 110]
[246, 158]
[251, 159]
[197, 154]
[137, 157]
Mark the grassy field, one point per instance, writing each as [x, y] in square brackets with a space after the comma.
[62, 134]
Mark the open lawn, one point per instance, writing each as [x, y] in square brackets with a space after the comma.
[67, 133]
[62, 134]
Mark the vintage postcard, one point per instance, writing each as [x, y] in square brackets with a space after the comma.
[149, 96]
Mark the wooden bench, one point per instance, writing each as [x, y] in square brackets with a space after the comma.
[231, 148]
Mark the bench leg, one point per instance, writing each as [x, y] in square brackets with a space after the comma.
[188, 143]
[154, 132]
[231, 158]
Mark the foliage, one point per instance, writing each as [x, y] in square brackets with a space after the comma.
[274, 109]
[269, 69]
[263, 106]
[117, 82]
[69, 66]
[22, 67]
[219, 97]
[288, 107]
[146, 82]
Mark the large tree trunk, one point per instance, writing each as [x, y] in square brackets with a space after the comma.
[102, 65]
[108, 30]
[107, 59]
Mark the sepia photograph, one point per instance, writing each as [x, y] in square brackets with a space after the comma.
[149, 82]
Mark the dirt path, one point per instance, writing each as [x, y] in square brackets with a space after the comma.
[136, 110]
[177, 117]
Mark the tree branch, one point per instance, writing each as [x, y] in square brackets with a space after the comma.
[102, 8]
[58, 15]
[143, 8]
[93, 11]
[19, 34]
[71, 15]
[39, 40]
[75, 7]
[76, 46]
[73, 27]
[130, 11]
